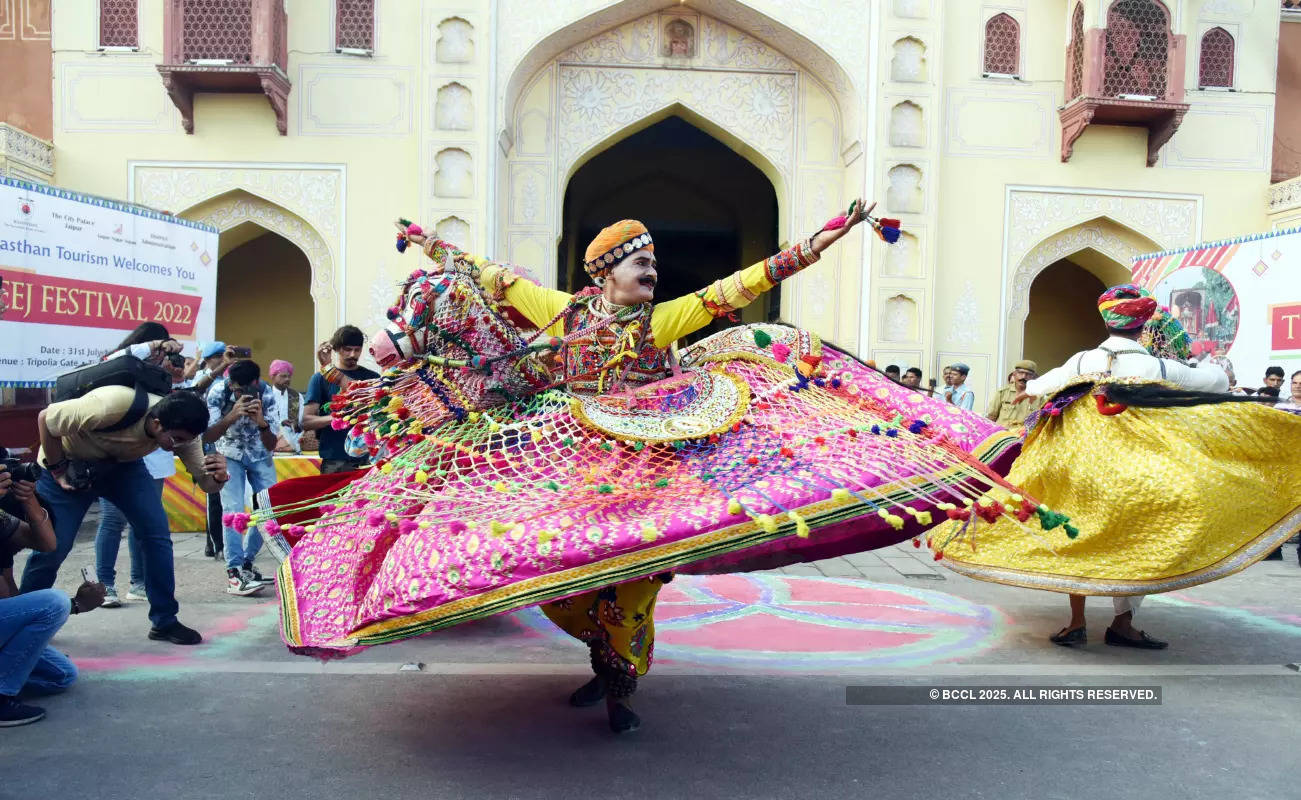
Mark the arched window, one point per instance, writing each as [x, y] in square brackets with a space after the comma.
[1215, 67]
[1002, 45]
[118, 23]
[1075, 55]
[1138, 49]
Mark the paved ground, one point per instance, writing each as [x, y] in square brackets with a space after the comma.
[747, 698]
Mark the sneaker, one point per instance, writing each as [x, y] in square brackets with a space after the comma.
[176, 633]
[238, 584]
[251, 575]
[14, 713]
[137, 592]
[110, 598]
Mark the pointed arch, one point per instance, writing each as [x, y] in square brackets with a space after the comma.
[238, 213]
[1101, 246]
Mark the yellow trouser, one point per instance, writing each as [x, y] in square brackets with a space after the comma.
[620, 616]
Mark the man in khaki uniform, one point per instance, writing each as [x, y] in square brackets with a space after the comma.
[1003, 406]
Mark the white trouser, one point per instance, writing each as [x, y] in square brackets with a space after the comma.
[1124, 604]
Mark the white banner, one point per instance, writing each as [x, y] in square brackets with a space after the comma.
[80, 272]
[1239, 299]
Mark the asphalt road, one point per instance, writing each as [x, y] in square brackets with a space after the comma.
[748, 699]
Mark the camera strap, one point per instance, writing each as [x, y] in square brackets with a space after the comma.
[139, 407]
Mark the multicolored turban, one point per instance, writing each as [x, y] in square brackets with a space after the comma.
[1126, 307]
[614, 244]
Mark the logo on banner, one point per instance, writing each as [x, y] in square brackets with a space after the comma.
[24, 214]
[1285, 327]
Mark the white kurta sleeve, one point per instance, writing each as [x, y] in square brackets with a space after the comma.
[1204, 378]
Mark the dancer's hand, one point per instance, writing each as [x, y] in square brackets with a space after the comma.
[826, 238]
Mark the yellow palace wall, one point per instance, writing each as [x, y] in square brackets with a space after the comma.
[362, 149]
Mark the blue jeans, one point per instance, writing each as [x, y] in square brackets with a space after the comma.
[260, 474]
[27, 662]
[130, 487]
[109, 537]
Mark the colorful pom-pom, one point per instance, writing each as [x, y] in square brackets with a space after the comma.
[761, 338]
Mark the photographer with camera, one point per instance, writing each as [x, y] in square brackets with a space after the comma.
[90, 451]
[242, 420]
[29, 621]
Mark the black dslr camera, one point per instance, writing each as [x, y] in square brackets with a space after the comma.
[21, 470]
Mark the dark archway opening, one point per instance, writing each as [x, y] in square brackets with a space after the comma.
[710, 210]
[1063, 318]
[264, 300]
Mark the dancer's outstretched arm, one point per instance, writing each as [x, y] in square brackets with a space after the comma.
[684, 315]
[538, 304]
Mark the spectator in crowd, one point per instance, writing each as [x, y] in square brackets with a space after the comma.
[1293, 402]
[339, 367]
[912, 378]
[892, 372]
[27, 622]
[1273, 381]
[241, 421]
[152, 343]
[289, 407]
[957, 392]
[214, 359]
[83, 462]
[1007, 407]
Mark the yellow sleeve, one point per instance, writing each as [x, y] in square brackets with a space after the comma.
[537, 304]
[684, 315]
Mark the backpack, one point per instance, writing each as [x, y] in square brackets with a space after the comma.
[121, 371]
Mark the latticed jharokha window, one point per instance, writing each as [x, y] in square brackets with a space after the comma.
[217, 29]
[1075, 56]
[1215, 67]
[1138, 49]
[118, 23]
[1002, 46]
[354, 25]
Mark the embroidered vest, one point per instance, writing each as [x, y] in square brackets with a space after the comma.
[587, 360]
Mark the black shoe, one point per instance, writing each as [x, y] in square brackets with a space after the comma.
[176, 633]
[253, 576]
[1070, 638]
[589, 694]
[622, 718]
[14, 713]
[1143, 642]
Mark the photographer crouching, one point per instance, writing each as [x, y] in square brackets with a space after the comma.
[27, 622]
[88, 454]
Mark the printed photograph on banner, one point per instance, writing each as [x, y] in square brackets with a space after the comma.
[1239, 299]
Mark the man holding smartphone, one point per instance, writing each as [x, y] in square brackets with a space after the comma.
[242, 420]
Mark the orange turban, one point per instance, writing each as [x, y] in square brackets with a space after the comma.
[614, 244]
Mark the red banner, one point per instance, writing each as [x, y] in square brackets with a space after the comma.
[1285, 327]
[86, 304]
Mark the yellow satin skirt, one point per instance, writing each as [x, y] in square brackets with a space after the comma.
[621, 616]
[1163, 498]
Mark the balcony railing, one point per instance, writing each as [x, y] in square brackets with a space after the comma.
[226, 46]
[1130, 73]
